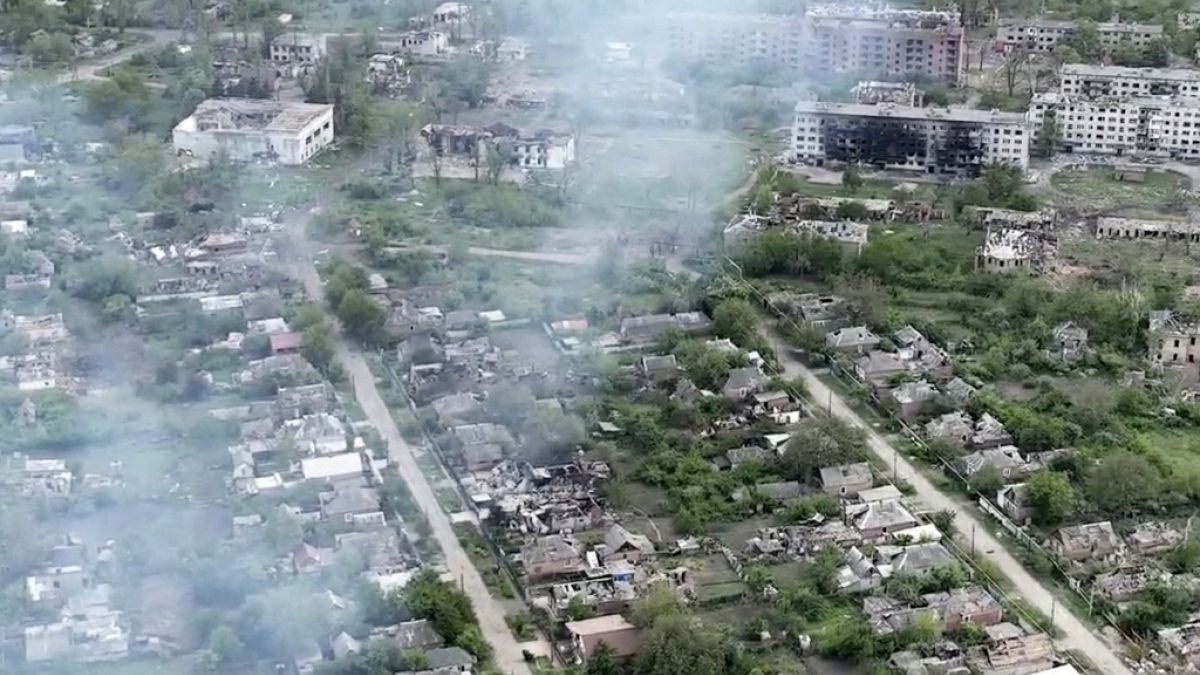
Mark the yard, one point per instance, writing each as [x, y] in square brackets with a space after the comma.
[1180, 449]
[1096, 190]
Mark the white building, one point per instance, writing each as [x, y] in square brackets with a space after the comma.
[1044, 35]
[417, 43]
[249, 129]
[1006, 251]
[933, 140]
[298, 48]
[1160, 126]
[871, 41]
[1081, 79]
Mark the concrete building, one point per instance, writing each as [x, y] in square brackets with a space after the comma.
[1140, 229]
[613, 630]
[888, 42]
[883, 42]
[932, 140]
[1161, 126]
[1171, 340]
[1005, 251]
[1044, 35]
[250, 129]
[299, 48]
[1082, 79]
[737, 39]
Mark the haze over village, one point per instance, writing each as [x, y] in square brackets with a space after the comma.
[569, 337]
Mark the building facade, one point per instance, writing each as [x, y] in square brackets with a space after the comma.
[1081, 79]
[1162, 126]
[933, 140]
[1044, 35]
[884, 42]
[255, 129]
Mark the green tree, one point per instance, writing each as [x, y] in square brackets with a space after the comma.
[659, 603]
[603, 661]
[361, 317]
[1123, 483]
[678, 645]
[448, 609]
[1051, 495]
[284, 531]
[736, 320]
[852, 180]
[822, 441]
[225, 644]
[1049, 137]
[318, 346]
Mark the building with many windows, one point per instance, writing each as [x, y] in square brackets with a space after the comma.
[255, 129]
[932, 140]
[1160, 126]
[1081, 79]
[886, 42]
[1044, 35]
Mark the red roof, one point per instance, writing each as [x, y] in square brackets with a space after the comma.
[286, 342]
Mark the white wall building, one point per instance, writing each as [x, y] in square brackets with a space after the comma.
[1044, 35]
[1081, 79]
[249, 129]
[298, 48]
[885, 42]
[933, 140]
[1159, 126]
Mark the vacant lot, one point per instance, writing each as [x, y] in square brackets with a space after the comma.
[1096, 190]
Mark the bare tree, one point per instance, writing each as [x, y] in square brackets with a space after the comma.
[1016, 61]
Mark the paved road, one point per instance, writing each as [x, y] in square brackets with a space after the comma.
[508, 655]
[1076, 636]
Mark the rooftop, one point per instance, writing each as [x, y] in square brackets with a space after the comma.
[599, 625]
[1165, 74]
[908, 112]
[245, 114]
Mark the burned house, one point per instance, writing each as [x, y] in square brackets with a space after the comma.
[541, 149]
[890, 136]
[851, 235]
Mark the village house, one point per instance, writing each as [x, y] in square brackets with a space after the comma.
[913, 399]
[783, 492]
[852, 340]
[1154, 537]
[1171, 340]
[846, 480]
[989, 433]
[647, 328]
[877, 368]
[877, 519]
[1090, 543]
[483, 444]
[1069, 342]
[955, 428]
[614, 631]
[658, 369]
[1005, 460]
[1125, 584]
[957, 392]
[888, 615]
[959, 606]
[621, 544]
[1012, 500]
[550, 557]
[1182, 642]
[743, 383]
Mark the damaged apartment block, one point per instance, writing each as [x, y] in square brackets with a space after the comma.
[889, 136]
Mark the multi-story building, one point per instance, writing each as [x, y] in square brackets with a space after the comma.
[737, 39]
[1171, 339]
[298, 48]
[249, 129]
[1080, 79]
[1044, 35]
[885, 42]
[888, 43]
[1161, 126]
[933, 140]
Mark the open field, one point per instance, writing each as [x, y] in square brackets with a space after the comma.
[1096, 190]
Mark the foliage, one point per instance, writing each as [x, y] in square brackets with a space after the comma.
[1123, 483]
[361, 317]
[448, 609]
[821, 442]
[676, 645]
[1051, 496]
[779, 252]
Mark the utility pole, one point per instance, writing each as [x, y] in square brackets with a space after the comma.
[973, 547]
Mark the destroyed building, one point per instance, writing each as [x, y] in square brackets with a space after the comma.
[1007, 251]
[890, 136]
[542, 149]
[255, 129]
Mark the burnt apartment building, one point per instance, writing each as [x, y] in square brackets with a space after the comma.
[886, 43]
[932, 140]
[1045, 35]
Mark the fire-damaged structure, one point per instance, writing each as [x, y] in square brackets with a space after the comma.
[890, 136]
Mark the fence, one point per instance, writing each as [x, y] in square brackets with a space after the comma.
[502, 560]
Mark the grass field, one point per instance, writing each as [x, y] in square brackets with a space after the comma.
[1097, 190]
[1180, 449]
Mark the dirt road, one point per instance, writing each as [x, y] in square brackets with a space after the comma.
[508, 655]
[1076, 636]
